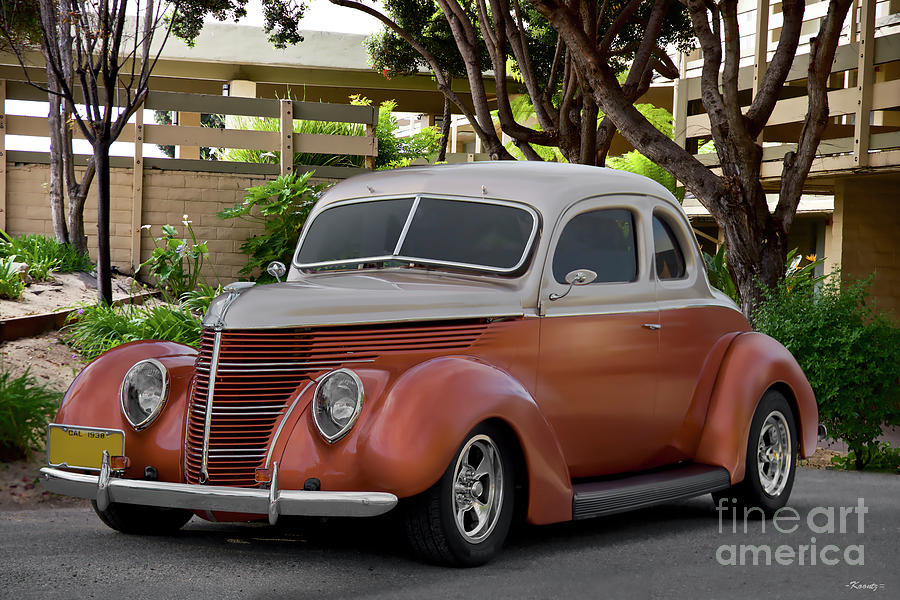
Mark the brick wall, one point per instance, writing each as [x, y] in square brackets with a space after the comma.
[167, 196]
[868, 211]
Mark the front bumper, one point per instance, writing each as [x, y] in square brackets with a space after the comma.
[272, 502]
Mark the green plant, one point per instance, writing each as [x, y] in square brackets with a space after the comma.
[176, 262]
[281, 206]
[198, 300]
[718, 274]
[94, 329]
[11, 284]
[25, 409]
[43, 255]
[881, 457]
[850, 354]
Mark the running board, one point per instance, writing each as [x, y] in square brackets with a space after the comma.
[611, 496]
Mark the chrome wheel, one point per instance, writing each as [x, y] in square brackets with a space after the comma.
[477, 489]
[774, 454]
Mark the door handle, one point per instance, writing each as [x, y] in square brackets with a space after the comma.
[652, 326]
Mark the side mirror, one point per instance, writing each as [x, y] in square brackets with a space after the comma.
[276, 269]
[576, 277]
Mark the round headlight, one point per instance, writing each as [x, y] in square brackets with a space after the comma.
[338, 400]
[144, 390]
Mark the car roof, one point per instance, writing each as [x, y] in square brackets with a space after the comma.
[548, 187]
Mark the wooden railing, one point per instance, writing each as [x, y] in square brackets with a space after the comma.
[863, 98]
[283, 141]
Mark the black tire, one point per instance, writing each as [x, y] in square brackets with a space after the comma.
[142, 520]
[430, 518]
[769, 475]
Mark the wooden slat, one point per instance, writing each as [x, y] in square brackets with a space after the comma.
[137, 190]
[211, 137]
[3, 154]
[286, 137]
[336, 144]
[865, 75]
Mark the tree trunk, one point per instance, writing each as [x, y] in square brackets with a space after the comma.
[104, 272]
[77, 190]
[57, 141]
[445, 131]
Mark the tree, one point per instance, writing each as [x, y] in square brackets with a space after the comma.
[756, 237]
[99, 61]
[519, 43]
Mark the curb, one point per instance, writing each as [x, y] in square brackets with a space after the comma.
[32, 325]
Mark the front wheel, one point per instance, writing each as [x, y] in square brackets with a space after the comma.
[464, 518]
[771, 458]
[142, 520]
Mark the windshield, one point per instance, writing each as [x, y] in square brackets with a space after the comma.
[486, 235]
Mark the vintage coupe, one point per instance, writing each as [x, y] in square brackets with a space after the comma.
[461, 344]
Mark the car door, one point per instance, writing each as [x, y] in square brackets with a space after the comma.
[694, 326]
[599, 341]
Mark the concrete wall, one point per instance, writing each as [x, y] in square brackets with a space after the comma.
[167, 196]
[865, 230]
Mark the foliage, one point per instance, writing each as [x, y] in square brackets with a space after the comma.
[719, 277]
[850, 354]
[25, 409]
[881, 457]
[392, 151]
[212, 120]
[198, 300]
[94, 329]
[282, 18]
[176, 262]
[11, 283]
[281, 206]
[43, 255]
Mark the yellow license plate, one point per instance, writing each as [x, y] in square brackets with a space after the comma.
[82, 447]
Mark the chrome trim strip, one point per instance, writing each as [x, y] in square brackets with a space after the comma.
[220, 498]
[284, 420]
[210, 390]
[405, 230]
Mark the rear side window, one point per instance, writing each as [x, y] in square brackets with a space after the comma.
[602, 241]
[669, 257]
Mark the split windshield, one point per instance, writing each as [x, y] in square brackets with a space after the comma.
[470, 234]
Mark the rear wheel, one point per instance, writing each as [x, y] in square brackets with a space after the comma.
[771, 458]
[464, 518]
[143, 520]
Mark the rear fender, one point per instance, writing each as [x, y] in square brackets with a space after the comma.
[754, 363]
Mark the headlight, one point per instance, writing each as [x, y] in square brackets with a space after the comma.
[143, 394]
[339, 398]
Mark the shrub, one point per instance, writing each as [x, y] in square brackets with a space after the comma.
[11, 283]
[198, 300]
[282, 207]
[881, 457]
[94, 329]
[176, 262]
[850, 354]
[25, 409]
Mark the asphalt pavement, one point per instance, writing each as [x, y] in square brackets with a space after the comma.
[680, 550]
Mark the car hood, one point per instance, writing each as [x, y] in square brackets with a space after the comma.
[368, 297]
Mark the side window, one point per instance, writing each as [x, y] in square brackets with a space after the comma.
[669, 257]
[602, 241]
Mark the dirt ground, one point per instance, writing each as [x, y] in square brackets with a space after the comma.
[64, 290]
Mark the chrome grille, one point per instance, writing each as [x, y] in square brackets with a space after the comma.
[258, 374]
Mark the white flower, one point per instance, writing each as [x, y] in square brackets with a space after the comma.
[146, 226]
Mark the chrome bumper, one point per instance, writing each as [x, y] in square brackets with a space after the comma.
[272, 502]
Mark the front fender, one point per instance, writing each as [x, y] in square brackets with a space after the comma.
[754, 363]
[93, 401]
[408, 433]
